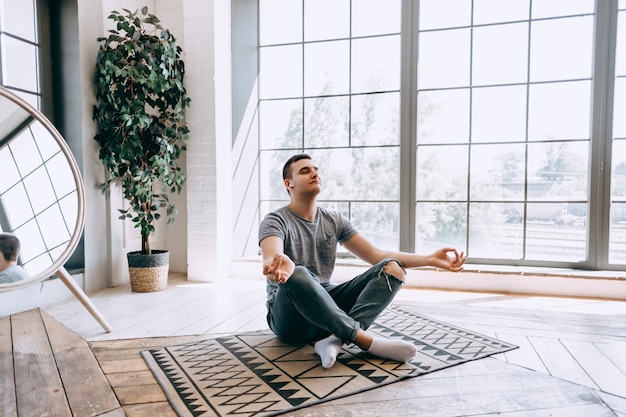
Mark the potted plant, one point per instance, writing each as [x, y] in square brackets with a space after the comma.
[140, 115]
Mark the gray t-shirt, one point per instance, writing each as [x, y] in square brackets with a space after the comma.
[312, 244]
[13, 273]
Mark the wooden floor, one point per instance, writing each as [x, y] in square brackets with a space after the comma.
[571, 360]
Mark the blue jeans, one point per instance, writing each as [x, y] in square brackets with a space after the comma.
[304, 310]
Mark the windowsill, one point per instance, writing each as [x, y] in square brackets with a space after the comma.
[486, 278]
[514, 270]
[491, 269]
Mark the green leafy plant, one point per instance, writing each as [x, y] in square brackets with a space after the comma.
[140, 113]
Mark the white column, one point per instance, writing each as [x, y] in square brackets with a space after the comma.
[209, 201]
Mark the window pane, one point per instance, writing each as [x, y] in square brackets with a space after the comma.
[439, 225]
[376, 17]
[556, 232]
[444, 59]
[376, 64]
[19, 64]
[561, 8]
[435, 14]
[271, 174]
[619, 108]
[17, 206]
[29, 232]
[55, 233]
[18, 18]
[443, 116]
[379, 221]
[558, 171]
[500, 54]
[617, 242]
[559, 111]
[499, 114]
[442, 173]
[25, 153]
[280, 124]
[326, 19]
[618, 168]
[561, 49]
[46, 144]
[359, 173]
[40, 191]
[327, 68]
[495, 11]
[375, 119]
[60, 175]
[497, 172]
[494, 232]
[280, 21]
[281, 71]
[620, 55]
[326, 122]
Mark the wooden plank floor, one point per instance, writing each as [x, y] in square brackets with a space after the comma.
[49, 371]
[571, 359]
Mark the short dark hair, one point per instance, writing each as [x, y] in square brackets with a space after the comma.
[9, 246]
[287, 173]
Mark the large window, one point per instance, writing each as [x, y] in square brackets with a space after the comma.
[19, 49]
[503, 132]
[496, 114]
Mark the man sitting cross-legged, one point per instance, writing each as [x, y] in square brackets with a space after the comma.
[298, 244]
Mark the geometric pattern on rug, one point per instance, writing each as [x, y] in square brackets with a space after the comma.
[254, 374]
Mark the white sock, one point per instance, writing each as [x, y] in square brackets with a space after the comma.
[397, 350]
[328, 349]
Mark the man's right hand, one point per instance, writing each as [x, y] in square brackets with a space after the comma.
[279, 268]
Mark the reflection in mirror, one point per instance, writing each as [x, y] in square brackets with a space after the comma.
[41, 196]
[38, 191]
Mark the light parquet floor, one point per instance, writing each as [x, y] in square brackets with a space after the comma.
[571, 360]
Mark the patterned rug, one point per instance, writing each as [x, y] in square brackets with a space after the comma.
[253, 374]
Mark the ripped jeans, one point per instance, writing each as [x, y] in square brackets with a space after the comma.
[304, 310]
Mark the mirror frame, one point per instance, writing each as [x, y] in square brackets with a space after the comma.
[57, 265]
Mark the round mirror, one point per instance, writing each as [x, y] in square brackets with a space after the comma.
[41, 190]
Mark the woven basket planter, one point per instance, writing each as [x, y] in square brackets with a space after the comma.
[148, 273]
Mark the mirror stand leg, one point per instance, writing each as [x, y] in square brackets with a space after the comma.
[82, 297]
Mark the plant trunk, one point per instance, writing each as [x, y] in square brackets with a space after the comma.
[145, 245]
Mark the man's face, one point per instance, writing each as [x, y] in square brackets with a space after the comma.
[305, 177]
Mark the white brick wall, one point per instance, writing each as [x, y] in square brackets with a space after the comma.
[207, 60]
